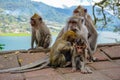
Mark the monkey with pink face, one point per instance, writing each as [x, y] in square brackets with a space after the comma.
[85, 28]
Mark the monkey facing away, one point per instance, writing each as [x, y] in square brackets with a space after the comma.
[56, 57]
[62, 46]
[40, 32]
[79, 56]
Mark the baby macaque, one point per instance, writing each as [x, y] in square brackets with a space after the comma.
[79, 57]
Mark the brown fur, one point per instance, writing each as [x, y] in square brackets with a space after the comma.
[40, 32]
[56, 57]
[92, 38]
[79, 56]
[63, 44]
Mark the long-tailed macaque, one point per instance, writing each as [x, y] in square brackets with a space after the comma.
[79, 56]
[92, 37]
[40, 32]
[56, 58]
[90, 33]
[62, 46]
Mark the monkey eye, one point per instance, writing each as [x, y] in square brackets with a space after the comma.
[69, 21]
[79, 47]
[76, 11]
[73, 22]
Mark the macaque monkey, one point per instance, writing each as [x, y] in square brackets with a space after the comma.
[40, 32]
[56, 58]
[62, 46]
[77, 24]
[79, 57]
[92, 36]
[82, 24]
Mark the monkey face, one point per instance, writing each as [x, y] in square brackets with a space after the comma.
[80, 11]
[75, 23]
[32, 22]
[35, 20]
[80, 46]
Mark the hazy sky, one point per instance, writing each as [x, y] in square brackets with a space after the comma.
[68, 3]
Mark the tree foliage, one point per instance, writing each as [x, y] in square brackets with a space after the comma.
[1, 46]
[111, 5]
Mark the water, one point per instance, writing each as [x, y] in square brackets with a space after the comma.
[108, 37]
[24, 42]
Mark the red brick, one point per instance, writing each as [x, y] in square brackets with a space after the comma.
[104, 65]
[27, 58]
[113, 73]
[113, 52]
[79, 76]
[64, 70]
[117, 61]
[8, 61]
[44, 74]
[8, 76]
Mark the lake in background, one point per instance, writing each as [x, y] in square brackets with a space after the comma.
[24, 42]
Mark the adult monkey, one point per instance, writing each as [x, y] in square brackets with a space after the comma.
[62, 46]
[92, 38]
[40, 32]
[56, 57]
[92, 33]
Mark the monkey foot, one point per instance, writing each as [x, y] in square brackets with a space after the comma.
[86, 70]
[74, 69]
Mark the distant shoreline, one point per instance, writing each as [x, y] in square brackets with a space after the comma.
[21, 34]
[15, 34]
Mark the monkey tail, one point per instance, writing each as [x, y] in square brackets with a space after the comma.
[43, 61]
[39, 49]
[44, 65]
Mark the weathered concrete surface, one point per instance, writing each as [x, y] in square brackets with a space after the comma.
[106, 68]
[8, 61]
[27, 58]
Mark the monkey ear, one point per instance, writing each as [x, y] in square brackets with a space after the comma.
[85, 10]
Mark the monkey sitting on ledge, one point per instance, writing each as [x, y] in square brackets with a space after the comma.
[62, 49]
[56, 58]
[40, 32]
[79, 56]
